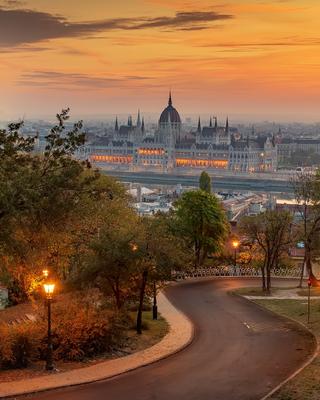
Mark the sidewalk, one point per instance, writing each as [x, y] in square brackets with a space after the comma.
[283, 294]
[179, 336]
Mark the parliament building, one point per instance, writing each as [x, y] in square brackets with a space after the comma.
[171, 147]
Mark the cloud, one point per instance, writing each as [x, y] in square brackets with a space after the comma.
[12, 3]
[56, 80]
[19, 26]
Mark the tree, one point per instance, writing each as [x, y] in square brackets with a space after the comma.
[307, 194]
[205, 182]
[272, 234]
[201, 222]
[160, 252]
[40, 195]
[111, 263]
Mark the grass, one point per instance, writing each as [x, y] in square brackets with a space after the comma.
[306, 386]
[257, 291]
[152, 332]
[314, 292]
[250, 291]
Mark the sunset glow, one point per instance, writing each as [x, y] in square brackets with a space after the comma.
[256, 58]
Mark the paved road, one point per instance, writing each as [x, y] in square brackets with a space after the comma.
[233, 182]
[239, 353]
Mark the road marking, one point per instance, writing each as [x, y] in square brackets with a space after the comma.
[247, 325]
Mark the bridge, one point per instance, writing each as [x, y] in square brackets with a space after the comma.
[254, 183]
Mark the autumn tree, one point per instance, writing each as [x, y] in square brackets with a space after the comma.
[40, 196]
[271, 234]
[307, 194]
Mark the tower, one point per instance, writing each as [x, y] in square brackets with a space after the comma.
[138, 120]
[199, 126]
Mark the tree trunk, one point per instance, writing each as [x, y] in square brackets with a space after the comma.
[197, 256]
[141, 298]
[302, 270]
[268, 289]
[263, 275]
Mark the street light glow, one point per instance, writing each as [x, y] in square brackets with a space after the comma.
[235, 244]
[49, 289]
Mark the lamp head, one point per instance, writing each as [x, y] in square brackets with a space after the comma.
[45, 273]
[235, 243]
[49, 289]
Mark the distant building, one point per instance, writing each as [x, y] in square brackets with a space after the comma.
[170, 147]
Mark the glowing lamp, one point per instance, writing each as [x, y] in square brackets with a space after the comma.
[45, 273]
[235, 244]
[49, 289]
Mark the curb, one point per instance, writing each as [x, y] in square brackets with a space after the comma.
[180, 335]
[306, 363]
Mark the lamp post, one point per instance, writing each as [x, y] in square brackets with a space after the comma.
[235, 245]
[309, 288]
[49, 289]
[155, 306]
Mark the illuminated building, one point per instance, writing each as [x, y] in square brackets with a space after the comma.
[170, 147]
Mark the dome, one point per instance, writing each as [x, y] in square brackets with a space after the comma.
[170, 111]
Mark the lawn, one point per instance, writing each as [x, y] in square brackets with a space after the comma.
[306, 386]
[257, 291]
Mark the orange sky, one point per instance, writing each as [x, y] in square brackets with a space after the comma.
[257, 58]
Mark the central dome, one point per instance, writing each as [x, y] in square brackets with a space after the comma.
[171, 112]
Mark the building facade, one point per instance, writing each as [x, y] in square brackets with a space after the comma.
[171, 147]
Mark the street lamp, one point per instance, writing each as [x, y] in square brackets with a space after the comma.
[49, 290]
[235, 245]
[155, 306]
[45, 273]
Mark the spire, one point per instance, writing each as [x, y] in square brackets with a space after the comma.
[199, 126]
[116, 127]
[227, 125]
[170, 99]
[128, 121]
[252, 131]
[142, 125]
[215, 123]
[210, 123]
[138, 120]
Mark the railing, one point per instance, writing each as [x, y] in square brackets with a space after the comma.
[287, 272]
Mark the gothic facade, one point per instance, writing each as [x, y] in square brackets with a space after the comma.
[171, 147]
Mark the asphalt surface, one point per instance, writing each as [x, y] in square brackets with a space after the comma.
[228, 182]
[239, 352]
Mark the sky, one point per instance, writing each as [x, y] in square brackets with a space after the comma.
[257, 59]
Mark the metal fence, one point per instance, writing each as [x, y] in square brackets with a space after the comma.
[288, 272]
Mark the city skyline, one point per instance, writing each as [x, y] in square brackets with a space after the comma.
[247, 59]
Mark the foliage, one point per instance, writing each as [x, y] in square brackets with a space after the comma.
[80, 329]
[307, 194]
[18, 345]
[200, 220]
[205, 182]
[270, 234]
[47, 201]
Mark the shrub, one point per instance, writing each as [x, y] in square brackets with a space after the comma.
[18, 345]
[80, 329]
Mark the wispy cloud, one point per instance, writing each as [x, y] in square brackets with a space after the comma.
[20, 26]
[54, 79]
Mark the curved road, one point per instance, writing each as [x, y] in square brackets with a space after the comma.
[239, 352]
